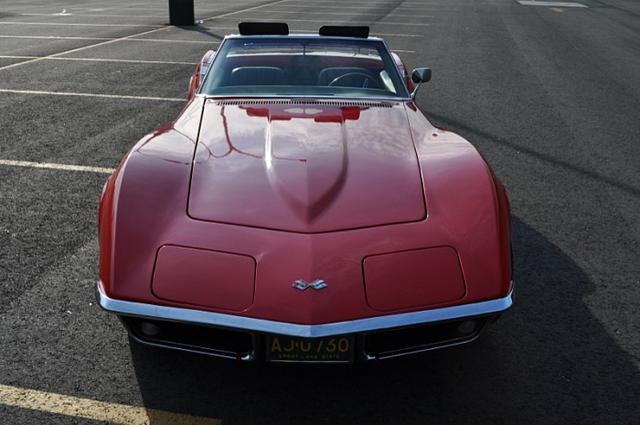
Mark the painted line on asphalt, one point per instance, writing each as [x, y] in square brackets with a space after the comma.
[65, 4]
[63, 58]
[95, 410]
[245, 10]
[78, 24]
[102, 43]
[340, 22]
[54, 37]
[13, 65]
[305, 12]
[173, 40]
[551, 3]
[98, 95]
[366, 6]
[386, 34]
[303, 31]
[338, 5]
[82, 15]
[152, 40]
[52, 166]
[373, 12]
[132, 6]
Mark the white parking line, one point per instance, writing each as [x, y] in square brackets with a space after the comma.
[171, 40]
[552, 3]
[85, 408]
[99, 95]
[386, 34]
[245, 10]
[302, 31]
[366, 6]
[82, 15]
[152, 40]
[340, 22]
[52, 166]
[372, 12]
[130, 36]
[64, 58]
[79, 24]
[13, 65]
[338, 5]
[305, 12]
[54, 37]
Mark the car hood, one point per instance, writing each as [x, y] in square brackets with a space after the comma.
[305, 167]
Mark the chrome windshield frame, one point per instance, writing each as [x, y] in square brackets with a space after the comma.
[399, 98]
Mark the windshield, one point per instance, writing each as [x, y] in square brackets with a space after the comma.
[290, 66]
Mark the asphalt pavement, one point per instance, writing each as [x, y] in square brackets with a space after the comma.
[549, 94]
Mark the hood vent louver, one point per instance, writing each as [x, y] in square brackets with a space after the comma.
[338, 103]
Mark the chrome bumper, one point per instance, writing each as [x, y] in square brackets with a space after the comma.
[199, 317]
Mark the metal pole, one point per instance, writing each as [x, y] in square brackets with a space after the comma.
[181, 12]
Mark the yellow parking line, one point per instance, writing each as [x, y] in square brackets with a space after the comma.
[92, 409]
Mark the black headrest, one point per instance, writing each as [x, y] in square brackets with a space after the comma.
[345, 31]
[263, 28]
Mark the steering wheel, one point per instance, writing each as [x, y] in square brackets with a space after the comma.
[365, 80]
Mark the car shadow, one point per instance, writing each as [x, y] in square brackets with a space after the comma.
[548, 360]
[475, 133]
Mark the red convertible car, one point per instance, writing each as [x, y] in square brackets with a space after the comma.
[301, 208]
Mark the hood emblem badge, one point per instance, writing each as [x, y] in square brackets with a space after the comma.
[317, 284]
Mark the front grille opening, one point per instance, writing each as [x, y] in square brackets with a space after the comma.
[205, 339]
[422, 338]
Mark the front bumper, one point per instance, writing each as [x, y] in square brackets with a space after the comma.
[238, 337]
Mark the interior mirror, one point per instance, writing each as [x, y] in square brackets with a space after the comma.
[419, 76]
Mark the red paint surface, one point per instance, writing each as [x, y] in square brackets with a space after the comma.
[308, 169]
[204, 278]
[303, 220]
[410, 279]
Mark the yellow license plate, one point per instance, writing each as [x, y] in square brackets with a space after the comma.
[325, 350]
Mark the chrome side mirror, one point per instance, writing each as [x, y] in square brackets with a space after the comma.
[195, 82]
[419, 76]
[205, 64]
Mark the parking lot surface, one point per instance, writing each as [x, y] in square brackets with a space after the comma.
[549, 94]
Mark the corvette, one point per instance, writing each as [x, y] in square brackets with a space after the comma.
[301, 208]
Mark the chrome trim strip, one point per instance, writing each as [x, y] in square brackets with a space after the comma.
[293, 34]
[131, 308]
[305, 96]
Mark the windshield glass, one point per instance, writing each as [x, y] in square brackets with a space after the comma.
[290, 66]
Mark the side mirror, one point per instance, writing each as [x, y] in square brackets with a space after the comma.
[419, 76]
[201, 71]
